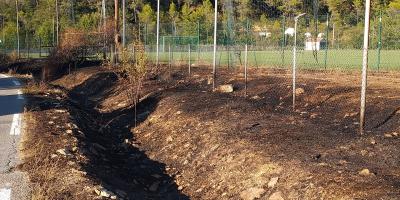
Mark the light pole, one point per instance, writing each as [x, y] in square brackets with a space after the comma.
[158, 33]
[17, 10]
[365, 66]
[215, 42]
[294, 59]
[57, 23]
[123, 24]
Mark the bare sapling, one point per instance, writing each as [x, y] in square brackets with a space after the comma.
[134, 67]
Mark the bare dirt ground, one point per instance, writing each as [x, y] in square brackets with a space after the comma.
[194, 143]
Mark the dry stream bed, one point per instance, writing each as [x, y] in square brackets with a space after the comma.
[191, 143]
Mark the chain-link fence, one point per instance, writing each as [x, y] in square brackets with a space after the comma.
[322, 43]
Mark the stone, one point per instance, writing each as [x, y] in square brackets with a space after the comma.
[53, 156]
[63, 152]
[225, 88]
[179, 112]
[388, 135]
[373, 141]
[105, 193]
[364, 152]
[395, 134]
[252, 193]
[276, 196]
[256, 97]
[51, 122]
[69, 131]
[209, 80]
[365, 172]
[313, 115]
[169, 139]
[180, 188]
[299, 91]
[272, 182]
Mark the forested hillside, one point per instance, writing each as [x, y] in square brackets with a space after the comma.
[37, 18]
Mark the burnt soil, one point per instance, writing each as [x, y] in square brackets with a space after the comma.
[190, 142]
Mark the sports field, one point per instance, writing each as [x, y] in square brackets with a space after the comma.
[342, 59]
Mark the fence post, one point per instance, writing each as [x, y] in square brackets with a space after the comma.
[40, 47]
[327, 39]
[379, 40]
[284, 40]
[190, 55]
[169, 58]
[198, 43]
[245, 70]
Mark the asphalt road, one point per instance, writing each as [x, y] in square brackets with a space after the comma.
[13, 183]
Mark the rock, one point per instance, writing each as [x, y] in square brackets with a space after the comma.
[53, 156]
[373, 141]
[105, 193]
[225, 88]
[395, 134]
[180, 188]
[365, 172]
[154, 186]
[256, 97]
[272, 182]
[179, 112]
[388, 135]
[51, 122]
[352, 114]
[313, 115]
[63, 152]
[252, 193]
[276, 196]
[364, 152]
[343, 162]
[169, 139]
[299, 91]
[74, 149]
[102, 192]
[69, 131]
[209, 80]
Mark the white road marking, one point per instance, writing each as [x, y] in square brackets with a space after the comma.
[5, 194]
[16, 125]
[20, 95]
[16, 83]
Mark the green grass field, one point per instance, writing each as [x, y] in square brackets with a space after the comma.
[344, 59]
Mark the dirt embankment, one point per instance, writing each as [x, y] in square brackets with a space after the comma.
[193, 143]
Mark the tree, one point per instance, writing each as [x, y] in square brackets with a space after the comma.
[147, 15]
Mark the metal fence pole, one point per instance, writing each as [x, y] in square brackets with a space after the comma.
[379, 41]
[327, 39]
[198, 43]
[158, 32]
[190, 64]
[245, 70]
[17, 10]
[169, 57]
[283, 40]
